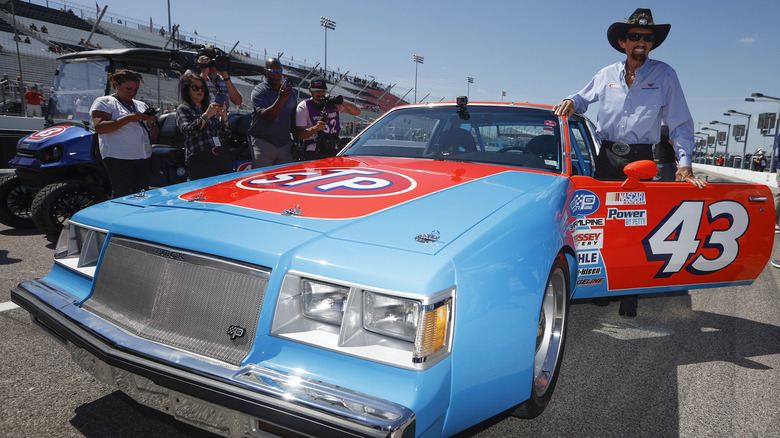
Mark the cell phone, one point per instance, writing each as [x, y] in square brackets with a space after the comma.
[151, 111]
[220, 98]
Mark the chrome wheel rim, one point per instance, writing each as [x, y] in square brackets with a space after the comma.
[549, 337]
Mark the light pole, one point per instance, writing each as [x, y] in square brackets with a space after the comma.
[469, 81]
[728, 133]
[777, 122]
[747, 130]
[327, 23]
[503, 95]
[417, 60]
[715, 143]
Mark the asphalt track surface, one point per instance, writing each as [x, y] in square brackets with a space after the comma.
[692, 364]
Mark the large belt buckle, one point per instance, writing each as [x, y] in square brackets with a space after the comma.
[621, 149]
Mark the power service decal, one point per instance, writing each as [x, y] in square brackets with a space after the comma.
[350, 190]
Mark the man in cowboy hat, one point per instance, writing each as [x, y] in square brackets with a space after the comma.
[636, 96]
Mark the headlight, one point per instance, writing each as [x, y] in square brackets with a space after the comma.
[324, 302]
[401, 329]
[78, 247]
[391, 316]
[51, 154]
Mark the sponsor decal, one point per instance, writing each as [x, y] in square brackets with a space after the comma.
[583, 203]
[650, 86]
[350, 183]
[244, 166]
[590, 281]
[48, 133]
[587, 222]
[588, 257]
[590, 271]
[625, 198]
[589, 239]
[632, 218]
[338, 188]
[550, 123]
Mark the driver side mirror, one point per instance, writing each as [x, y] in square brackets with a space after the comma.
[643, 169]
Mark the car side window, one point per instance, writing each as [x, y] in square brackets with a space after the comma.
[581, 148]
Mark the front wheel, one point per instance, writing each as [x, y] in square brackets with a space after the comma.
[15, 202]
[550, 340]
[57, 202]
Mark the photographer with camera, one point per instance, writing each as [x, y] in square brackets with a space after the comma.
[273, 118]
[320, 115]
[214, 70]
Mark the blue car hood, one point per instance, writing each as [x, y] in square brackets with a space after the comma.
[409, 204]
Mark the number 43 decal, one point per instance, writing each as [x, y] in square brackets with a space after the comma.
[674, 240]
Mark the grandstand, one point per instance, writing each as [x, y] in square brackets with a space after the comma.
[69, 27]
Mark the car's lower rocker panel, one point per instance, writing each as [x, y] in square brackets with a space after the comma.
[250, 401]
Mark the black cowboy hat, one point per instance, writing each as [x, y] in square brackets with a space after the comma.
[642, 19]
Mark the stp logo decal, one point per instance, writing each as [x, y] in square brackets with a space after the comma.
[340, 187]
[583, 203]
[350, 183]
[47, 133]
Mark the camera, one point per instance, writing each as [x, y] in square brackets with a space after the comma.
[151, 111]
[330, 101]
[221, 63]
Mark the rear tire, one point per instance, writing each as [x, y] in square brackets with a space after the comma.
[57, 202]
[15, 202]
[550, 340]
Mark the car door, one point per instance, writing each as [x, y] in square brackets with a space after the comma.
[649, 236]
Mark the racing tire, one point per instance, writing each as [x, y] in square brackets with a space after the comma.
[15, 202]
[550, 340]
[57, 202]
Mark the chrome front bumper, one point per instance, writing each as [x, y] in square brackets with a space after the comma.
[231, 401]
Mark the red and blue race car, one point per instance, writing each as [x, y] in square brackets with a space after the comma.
[414, 285]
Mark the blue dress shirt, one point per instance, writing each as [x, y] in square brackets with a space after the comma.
[634, 115]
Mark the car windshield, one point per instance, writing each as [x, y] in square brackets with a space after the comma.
[76, 86]
[509, 135]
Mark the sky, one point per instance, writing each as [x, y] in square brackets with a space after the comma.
[536, 51]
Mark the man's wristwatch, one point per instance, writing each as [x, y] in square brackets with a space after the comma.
[226, 79]
[203, 118]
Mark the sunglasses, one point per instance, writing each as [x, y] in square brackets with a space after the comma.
[274, 71]
[197, 87]
[648, 37]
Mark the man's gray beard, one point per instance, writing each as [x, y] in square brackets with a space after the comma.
[639, 57]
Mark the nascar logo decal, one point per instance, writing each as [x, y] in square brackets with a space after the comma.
[339, 188]
[351, 183]
[47, 133]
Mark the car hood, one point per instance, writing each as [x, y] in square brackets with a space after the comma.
[410, 204]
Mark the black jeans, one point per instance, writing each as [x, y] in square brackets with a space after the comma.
[128, 176]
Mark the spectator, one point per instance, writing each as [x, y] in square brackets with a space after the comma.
[309, 120]
[218, 81]
[665, 160]
[44, 30]
[273, 118]
[33, 27]
[33, 98]
[27, 40]
[125, 134]
[205, 129]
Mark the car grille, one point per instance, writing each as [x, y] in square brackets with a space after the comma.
[190, 301]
